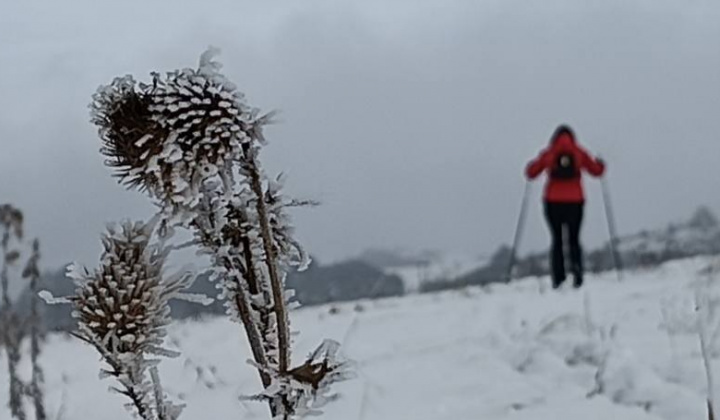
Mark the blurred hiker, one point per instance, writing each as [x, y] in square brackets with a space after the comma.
[564, 162]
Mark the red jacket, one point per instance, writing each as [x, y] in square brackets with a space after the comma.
[564, 190]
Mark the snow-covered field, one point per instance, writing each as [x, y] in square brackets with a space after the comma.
[507, 352]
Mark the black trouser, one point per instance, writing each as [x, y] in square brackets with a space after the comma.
[569, 216]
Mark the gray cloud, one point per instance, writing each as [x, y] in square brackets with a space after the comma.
[411, 121]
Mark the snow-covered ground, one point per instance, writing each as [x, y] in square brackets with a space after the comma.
[505, 352]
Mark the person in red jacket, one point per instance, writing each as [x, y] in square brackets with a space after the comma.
[564, 161]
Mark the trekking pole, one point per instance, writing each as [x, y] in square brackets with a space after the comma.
[617, 263]
[518, 232]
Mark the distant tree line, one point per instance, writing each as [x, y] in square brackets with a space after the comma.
[700, 235]
[363, 278]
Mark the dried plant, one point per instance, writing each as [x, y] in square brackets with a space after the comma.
[191, 142]
[122, 310]
[699, 316]
[35, 390]
[708, 319]
[168, 136]
[13, 328]
[307, 387]
[11, 223]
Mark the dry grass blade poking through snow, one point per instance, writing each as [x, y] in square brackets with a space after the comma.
[122, 310]
[700, 317]
[708, 308]
[192, 143]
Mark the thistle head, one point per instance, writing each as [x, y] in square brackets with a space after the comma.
[168, 136]
[121, 306]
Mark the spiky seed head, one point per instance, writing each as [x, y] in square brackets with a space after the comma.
[120, 304]
[184, 127]
[128, 130]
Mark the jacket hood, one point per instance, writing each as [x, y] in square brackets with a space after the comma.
[563, 138]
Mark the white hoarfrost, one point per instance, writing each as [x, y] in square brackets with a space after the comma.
[122, 311]
[190, 140]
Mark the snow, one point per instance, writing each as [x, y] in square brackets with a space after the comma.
[515, 352]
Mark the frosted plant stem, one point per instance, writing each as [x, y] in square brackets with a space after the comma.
[283, 329]
[38, 376]
[271, 262]
[701, 304]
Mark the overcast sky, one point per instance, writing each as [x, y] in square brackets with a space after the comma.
[411, 121]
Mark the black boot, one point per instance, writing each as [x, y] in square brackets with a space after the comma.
[578, 277]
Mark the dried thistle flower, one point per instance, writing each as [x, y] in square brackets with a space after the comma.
[122, 310]
[167, 136]
[190, 140]
[123, 303]
[128, 129]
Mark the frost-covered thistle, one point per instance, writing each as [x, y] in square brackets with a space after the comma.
[189, 140]
[168, 136]
[122, 310]
[307, 388]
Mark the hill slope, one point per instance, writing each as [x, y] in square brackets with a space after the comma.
[512, 352]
